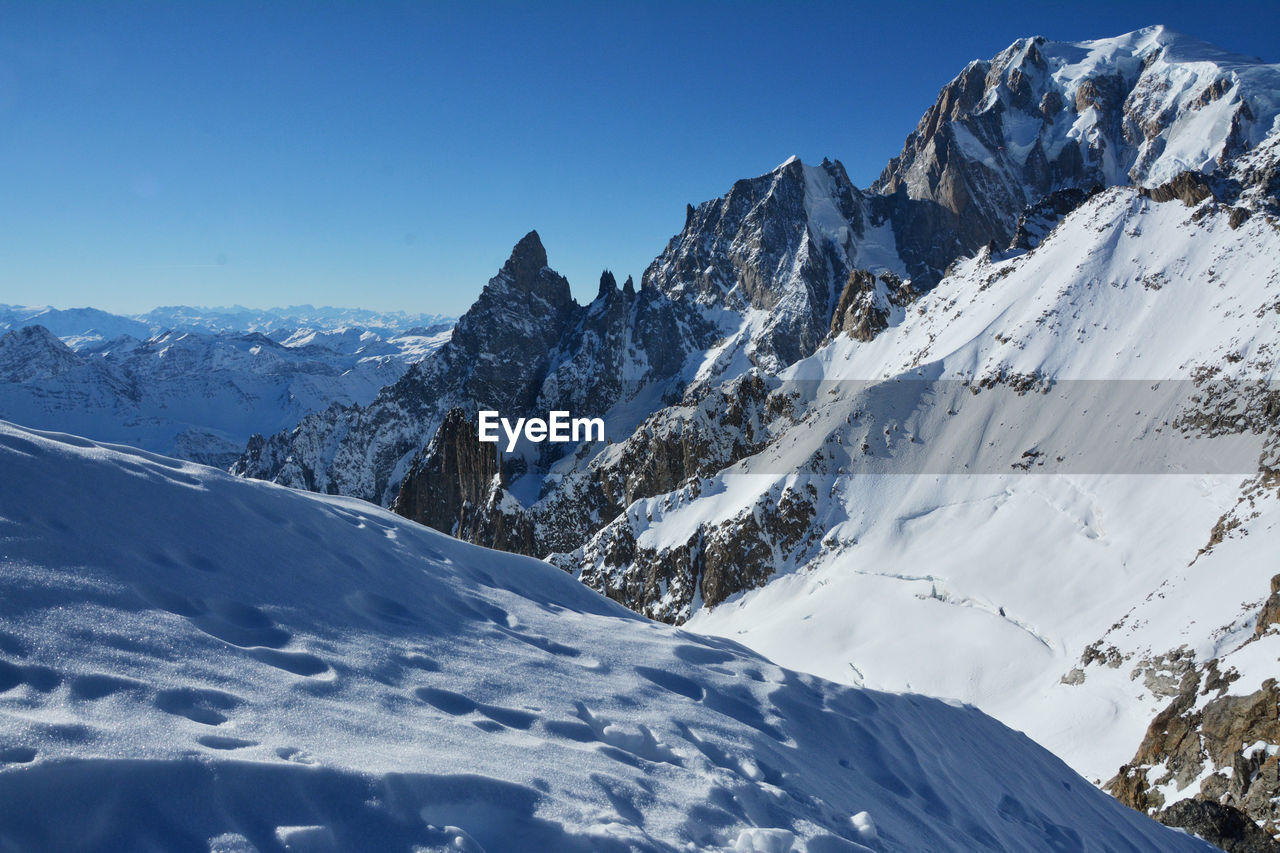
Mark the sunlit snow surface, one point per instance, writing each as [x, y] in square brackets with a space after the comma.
[189, 661]
[950, 575]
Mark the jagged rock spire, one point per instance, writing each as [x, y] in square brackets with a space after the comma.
[608, 284]
[527, 260]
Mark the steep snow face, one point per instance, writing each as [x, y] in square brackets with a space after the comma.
[1191, 106]
[926, 559]
[300, 672]
[194, 395]
[1124, 288]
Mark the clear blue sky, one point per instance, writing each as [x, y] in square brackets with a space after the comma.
[388, 155]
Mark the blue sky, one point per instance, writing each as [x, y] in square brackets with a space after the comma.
[388, 155]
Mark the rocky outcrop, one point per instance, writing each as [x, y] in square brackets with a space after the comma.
[1190, 188]
[456, 485]
[867, 302]
[1038, 219]
[1269, 615]
[718, 560]
[1222, 826]
[1228, 742]
[451, 478]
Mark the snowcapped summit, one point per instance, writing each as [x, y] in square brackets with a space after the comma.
[527, 260]
[1044, 115]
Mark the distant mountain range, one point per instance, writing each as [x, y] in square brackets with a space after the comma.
[197, 383]
[81, 326]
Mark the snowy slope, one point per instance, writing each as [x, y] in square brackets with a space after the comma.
[190, 661]
[933, 563]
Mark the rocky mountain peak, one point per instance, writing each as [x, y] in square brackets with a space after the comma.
[525, 288]
[775, 250]
[34, 335]
[527, 258]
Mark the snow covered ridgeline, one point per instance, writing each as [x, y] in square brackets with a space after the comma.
[191, 661]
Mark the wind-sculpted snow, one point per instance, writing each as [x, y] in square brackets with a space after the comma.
[190, 661]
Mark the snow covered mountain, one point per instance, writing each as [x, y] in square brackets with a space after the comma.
[1042, 116]
[1019, 396]
[299, 672]
[194, 395]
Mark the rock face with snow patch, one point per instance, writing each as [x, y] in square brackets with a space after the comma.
[33, 352]
[867, 302]
[780, 245]
[455, 486]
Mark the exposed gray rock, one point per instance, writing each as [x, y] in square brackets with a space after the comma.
[1223, 826]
